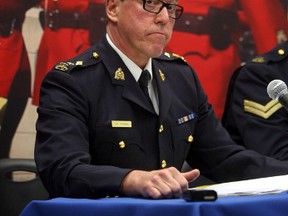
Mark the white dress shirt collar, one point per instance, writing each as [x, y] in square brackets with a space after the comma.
[135, 69]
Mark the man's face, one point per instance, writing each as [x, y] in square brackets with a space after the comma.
[138, 33]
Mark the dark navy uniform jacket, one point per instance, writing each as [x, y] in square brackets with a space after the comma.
[251, 117]
[95, 126]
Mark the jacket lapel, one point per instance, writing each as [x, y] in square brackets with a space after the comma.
[164, 91]
[120, 75]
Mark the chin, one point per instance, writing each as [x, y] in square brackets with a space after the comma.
[156, 55]
[157, 52]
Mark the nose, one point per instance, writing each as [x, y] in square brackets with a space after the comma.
[162, 16]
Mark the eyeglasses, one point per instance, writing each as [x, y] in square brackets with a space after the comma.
[155, 6]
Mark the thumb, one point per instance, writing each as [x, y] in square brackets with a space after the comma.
[191, 175]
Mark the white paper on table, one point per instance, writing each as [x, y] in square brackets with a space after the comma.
[267, 185]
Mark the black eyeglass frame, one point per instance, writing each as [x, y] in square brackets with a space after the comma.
[178, 9]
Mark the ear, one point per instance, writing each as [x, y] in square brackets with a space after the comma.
[112, 7]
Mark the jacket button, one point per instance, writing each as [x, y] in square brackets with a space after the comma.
[190, 139]
[161, 129]
[163, 164]
[281, 52]
[122, 144]
[95, 55]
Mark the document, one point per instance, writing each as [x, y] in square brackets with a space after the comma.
[267, 185]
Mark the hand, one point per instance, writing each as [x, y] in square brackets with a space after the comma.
[157, 184]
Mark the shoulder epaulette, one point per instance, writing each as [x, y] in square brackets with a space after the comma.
[275, 55]
[171, 56]
[84, 60]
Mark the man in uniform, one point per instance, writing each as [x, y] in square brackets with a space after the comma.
[208, 37]
[122, 117]
[15, 75]
[253, 119]
[70, 27]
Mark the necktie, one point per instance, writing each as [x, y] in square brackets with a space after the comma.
[143, 83]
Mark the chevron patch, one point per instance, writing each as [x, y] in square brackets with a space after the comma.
[3, 102]
[262, 111]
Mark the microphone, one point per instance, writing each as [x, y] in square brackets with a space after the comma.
[278, 91]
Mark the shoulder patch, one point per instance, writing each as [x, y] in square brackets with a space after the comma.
[64, 66]
[81, 61]
[263, 111]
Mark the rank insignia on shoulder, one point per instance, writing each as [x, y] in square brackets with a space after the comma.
[119, 74]
[258, 59]
[63, 66]
[79, 63]
[178, 56]
[174, 56]
[263, 111]
[167, 55]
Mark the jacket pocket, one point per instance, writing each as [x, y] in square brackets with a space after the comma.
[121, 147]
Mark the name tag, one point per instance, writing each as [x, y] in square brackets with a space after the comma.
[121, 124]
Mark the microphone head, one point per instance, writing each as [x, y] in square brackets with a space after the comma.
[276, 88]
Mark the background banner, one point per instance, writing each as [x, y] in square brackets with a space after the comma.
[214, 36]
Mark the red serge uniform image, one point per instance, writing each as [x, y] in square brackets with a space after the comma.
[15, 75]
[207, 36]
[70, 27]
[267, 21]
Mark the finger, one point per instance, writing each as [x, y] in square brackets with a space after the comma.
[175, 181]
[191, 175]
[152, 192]
[165, 184]
[178, 182]
[153, 185]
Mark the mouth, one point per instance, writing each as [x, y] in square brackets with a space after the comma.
[158, 33]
